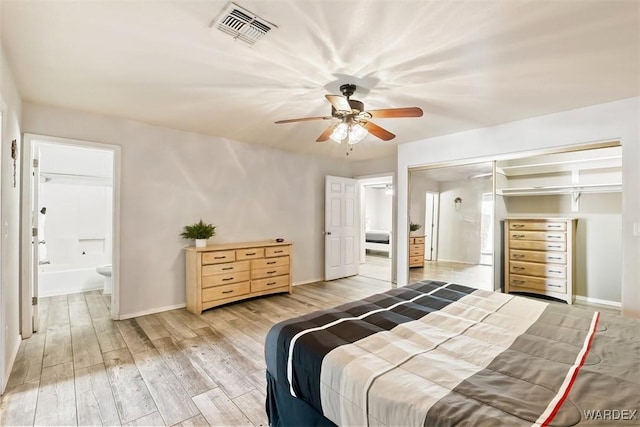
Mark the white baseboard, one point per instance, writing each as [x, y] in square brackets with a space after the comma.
[152, 311]
[598, 301]
[306, 282]
[70, 291]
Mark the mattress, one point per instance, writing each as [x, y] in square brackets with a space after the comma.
[377, 236]
[435, 353]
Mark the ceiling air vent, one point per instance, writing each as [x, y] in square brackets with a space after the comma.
[241, 24]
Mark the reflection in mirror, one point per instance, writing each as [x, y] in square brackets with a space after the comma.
[585, 186]
[454, 207]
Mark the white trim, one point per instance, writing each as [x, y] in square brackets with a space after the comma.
[4, 376]
[151, 311]
[599, 301]
[29, 140]
[306, 282]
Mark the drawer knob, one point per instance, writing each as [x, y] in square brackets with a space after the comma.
[219, 257]
[554, 286]
[518, 256]
[555, 246]
[228, 268]
[250, 253]
[518, 268]
[519, 282]
[226, 279]
[555, 257]
[271, 262]
[554, 237]
[555, 271]
[518, 225]
[277, 252]
[271, 272]
[518, 236]
[554, 226]
[271, 283]
[227, 292]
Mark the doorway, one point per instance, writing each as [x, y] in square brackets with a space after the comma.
[431, 225]
[376, 242]
[70, 204]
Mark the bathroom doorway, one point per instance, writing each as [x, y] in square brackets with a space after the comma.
[71, 200]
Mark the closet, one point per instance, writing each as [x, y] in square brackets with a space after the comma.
[585, 185]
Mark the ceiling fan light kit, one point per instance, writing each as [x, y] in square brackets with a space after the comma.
[355, 122]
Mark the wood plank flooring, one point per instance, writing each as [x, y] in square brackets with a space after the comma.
[170, 368]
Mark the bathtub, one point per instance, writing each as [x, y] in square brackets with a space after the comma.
[61, 279]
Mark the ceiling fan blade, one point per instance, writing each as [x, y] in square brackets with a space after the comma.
[325, 135]
[304, 119]
[376, 130]
[340, 103]
[396, 112]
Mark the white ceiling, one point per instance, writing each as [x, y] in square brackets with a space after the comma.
[466, 64]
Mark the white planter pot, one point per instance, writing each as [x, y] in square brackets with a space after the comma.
[201, 243]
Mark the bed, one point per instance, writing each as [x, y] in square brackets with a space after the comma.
[378, 240]
[435, 353]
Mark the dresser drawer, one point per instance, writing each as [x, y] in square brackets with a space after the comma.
[269, 283]
[250, 253]
[275, 251]
[416, 260]
[225, 279]
[537, 283]
[537, 256]
[227, 291]
[538, 245]
[416, 250]
[269, 272]
[218, 257]
[418, 240]
[232, 267]
[537, 225]
[548, 236]
[535, 269]
[270, 262]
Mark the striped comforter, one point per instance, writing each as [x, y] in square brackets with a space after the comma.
[436, 353]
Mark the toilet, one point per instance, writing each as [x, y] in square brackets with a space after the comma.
[105, 271]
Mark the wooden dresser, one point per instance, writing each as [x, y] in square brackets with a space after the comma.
[225, 273]
[416, 251]
[540, 256]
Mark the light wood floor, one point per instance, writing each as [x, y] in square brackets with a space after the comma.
[170, 368]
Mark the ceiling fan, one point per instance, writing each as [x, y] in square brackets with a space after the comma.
[353, 120]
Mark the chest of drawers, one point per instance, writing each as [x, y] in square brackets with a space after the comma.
[540, 256]
[416, 251]
[221, 274]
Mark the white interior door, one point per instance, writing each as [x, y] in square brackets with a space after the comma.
[37, 240]
[431, 226]
[342, 229]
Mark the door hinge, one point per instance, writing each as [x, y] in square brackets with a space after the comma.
[34, 232]
[35, 163]
[34, 300]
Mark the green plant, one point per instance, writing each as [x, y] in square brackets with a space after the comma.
[414, 227]
[199, 230]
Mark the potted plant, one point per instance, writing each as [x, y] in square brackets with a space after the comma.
[200, 232]
[414, 227]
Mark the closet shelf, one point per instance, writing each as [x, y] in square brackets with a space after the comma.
[560, 189]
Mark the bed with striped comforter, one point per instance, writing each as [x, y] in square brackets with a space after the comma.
[435, 353]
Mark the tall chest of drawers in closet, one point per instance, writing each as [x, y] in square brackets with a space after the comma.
[225, 273]
[540, 256]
